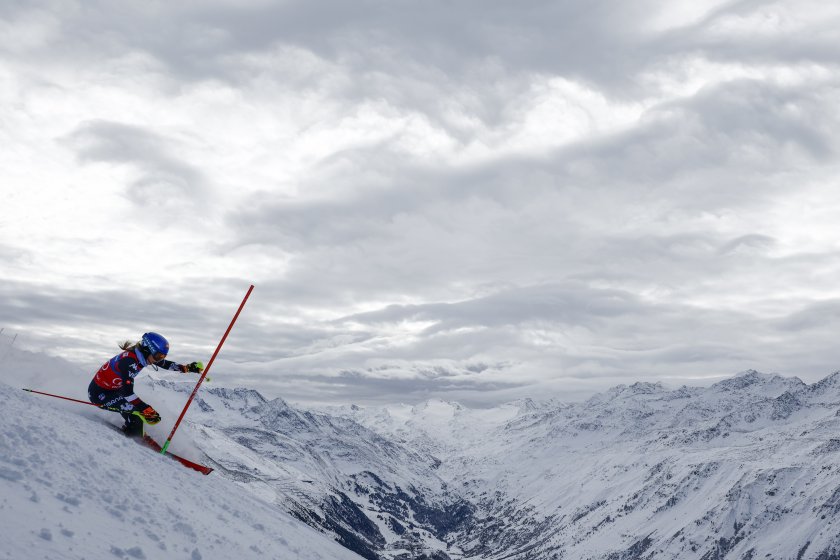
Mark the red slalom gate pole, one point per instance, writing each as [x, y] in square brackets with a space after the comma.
[59, 397]
[66, 398]
[207, 369]
[74, 400]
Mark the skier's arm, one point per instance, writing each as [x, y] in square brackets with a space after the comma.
[125, 367]
[194, 367]
[167, 364]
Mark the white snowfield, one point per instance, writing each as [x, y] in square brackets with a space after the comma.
[71, 487]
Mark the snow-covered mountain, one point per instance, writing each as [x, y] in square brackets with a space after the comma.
[744, 469]
[376, 496]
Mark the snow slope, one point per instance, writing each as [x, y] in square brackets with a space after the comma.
[72, 487]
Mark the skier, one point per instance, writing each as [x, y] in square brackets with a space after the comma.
[113, 384]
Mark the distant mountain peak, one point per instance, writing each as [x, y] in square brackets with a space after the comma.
[525, 405]
[439, 405]
[754, 379]
[238, 393]
[644, 387]
[826, 383]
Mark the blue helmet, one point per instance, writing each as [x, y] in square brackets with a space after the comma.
[152, 343]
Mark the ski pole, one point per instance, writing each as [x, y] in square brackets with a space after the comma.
[74, 400]
[206, 370]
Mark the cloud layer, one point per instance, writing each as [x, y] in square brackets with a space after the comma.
[474, 201]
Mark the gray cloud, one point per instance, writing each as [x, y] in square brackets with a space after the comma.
[160, 175]
[99, 317]
[823, 315]
[476, 56]
[578, 336]
[748, 243]
[582, 213]
[443, 34]
[689, 236]
[569, 304]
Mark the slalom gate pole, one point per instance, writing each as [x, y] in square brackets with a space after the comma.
[73, 400]
[206, 370]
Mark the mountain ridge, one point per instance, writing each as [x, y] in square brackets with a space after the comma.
[738, 434]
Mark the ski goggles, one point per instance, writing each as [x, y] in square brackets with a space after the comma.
[157, 356]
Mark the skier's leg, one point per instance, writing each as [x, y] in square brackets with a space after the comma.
[133, 425]
[116, 400]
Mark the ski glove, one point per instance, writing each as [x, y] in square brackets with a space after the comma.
[149, 415]
[146, 413]
[195, 367]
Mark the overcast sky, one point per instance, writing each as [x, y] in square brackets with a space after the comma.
[473, 200]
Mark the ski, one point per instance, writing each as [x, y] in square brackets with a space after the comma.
[145, 439]
[186, 462]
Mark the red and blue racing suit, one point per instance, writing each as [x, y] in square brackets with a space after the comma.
[113, 384]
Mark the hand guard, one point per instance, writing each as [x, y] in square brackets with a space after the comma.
[195, 367]
[149, 415]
